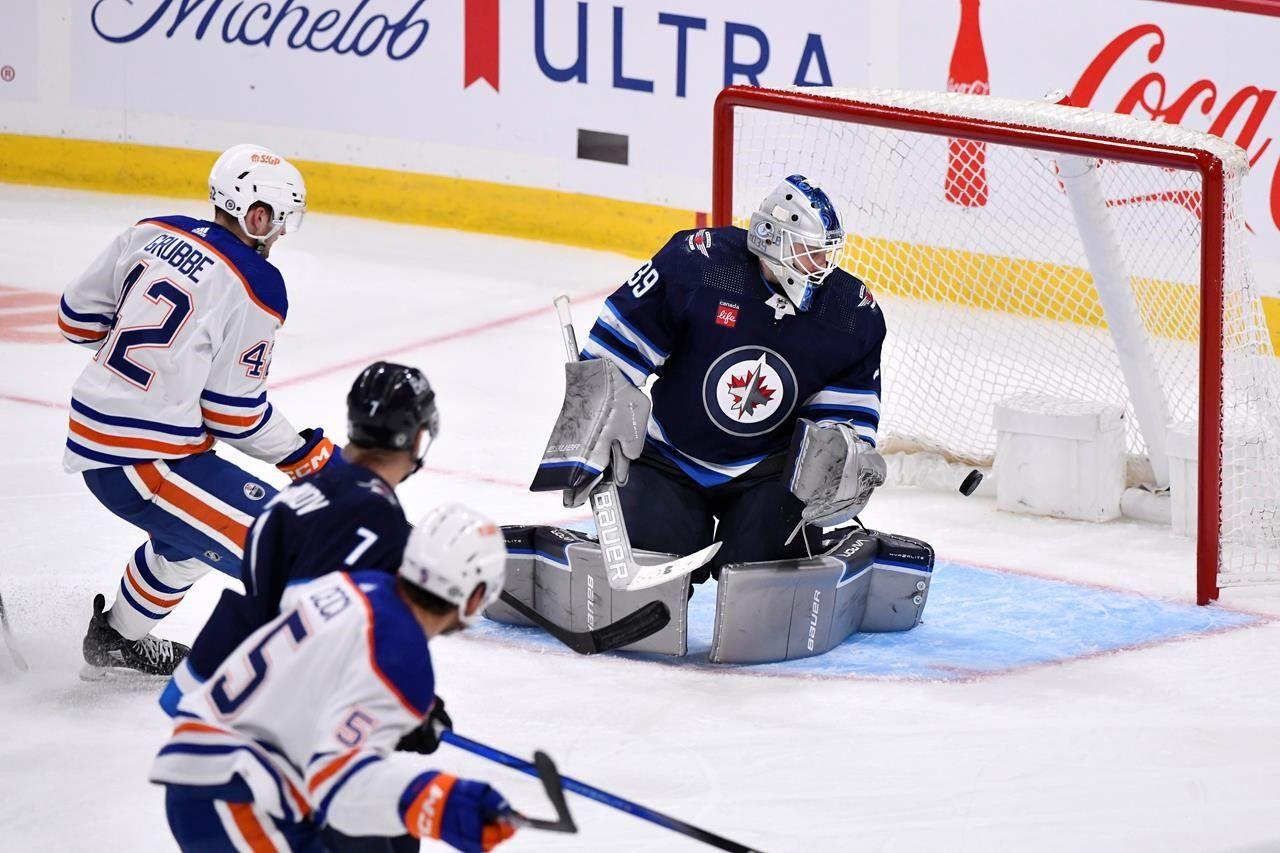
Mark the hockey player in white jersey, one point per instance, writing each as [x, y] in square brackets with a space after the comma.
[296, 730]
[182, 315]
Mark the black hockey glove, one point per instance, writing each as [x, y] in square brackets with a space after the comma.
[425, 739]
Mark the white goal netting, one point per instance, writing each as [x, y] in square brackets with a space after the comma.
[1004, 270]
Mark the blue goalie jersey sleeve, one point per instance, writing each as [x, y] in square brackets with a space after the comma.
[735, 364]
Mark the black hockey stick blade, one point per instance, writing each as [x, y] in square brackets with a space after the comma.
[632, 628]
[554, 787]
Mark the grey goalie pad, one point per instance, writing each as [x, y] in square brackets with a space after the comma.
[602, 421]
[561, 574]
[786, 609]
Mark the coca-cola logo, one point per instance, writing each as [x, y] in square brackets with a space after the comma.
[1152, 96]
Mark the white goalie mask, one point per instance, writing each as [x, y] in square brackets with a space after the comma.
[798, 235]
[247, 174]
[451, 551]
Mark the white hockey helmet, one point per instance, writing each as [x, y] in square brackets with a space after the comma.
[247, 174]
[798, 235]
[451, 551]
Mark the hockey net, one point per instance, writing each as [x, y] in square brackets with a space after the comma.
[1028, 247]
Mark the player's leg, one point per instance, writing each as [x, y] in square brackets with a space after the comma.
[155, 579]
[665, 511]
[224, 818]
[197, 512]
[756, 517]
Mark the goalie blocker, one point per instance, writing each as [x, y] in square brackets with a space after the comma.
[765, 612]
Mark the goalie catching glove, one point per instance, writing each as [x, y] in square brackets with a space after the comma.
[832, 471]
[600, 429]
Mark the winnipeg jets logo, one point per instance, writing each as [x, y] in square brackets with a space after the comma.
[749, 391]
[700, 241]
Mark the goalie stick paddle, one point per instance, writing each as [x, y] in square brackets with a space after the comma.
[18, 660]
[568, 784]
[632, 628]
[606, 508]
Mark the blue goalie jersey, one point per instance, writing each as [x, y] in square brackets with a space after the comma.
[736, 364]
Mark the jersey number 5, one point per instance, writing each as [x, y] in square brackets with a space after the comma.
[158, 336]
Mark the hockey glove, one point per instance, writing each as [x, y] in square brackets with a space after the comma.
[601, 429]
[313, 455]
[832, 471]
[425, 739]
[464, 814]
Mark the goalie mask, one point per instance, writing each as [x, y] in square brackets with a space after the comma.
[249, 174]
[798, 235]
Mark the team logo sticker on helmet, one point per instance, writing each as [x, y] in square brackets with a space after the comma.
[749, 391]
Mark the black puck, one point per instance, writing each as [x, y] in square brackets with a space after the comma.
[970, 484]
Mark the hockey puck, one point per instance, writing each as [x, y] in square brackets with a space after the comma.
[971, 482]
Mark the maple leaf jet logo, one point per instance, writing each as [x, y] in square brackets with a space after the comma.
[749, 392]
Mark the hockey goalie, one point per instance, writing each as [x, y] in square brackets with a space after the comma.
[761, 436]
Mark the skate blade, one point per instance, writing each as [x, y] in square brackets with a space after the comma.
[90, 672]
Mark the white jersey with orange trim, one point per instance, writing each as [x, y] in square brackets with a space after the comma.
[309, 708]
[183, 316]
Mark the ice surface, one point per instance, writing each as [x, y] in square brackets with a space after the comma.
[1169, 746]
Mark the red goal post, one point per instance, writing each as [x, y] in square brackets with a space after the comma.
[831, 134]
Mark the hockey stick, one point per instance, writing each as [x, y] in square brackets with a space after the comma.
[632, 628]
[611, 528]
[642, 812]
[542, 767]
[18, 660]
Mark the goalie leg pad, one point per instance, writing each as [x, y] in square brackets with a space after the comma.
[787, 609]
[561, 574]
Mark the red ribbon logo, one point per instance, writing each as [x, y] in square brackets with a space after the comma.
[481, 47]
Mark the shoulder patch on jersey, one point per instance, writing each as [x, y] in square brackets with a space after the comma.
[400, 650]
[262, 282]
[700, 241]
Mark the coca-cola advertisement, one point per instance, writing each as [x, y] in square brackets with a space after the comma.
[1195, 65]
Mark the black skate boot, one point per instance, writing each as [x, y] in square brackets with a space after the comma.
[105, 651]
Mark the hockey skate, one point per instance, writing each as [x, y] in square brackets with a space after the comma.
[106, 652]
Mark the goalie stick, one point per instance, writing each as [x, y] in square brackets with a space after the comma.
[611, 528]
[632, 628]
[567, 784]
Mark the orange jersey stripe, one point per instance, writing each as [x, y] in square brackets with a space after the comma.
[229, 420]
[206, 728]
[139, 443]
[234, 269]
[80, 333]
[251, 828]
[193, 506]
[137, 587]
[330, 769]
[150, 475]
